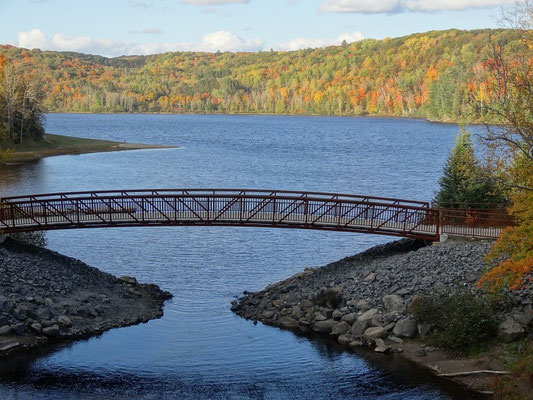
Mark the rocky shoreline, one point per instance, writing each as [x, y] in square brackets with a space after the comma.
[46, 296]
[366, 300]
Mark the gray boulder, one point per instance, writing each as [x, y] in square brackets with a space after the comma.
[395, 339]
[406, 327]
[391, 317]
[393, 302]
[374, 333]
[288, 323]
[350, 318]
[337, 315]
[510, 330]
[306, 303]
[344, 339]
[36, 327]
[51, 331]
[128, 279]
[324, 326]
[297, 312]
[359, 327]
[4, 330]
[64, 320]
[362, 305]
[377, 320]
[340, 328]
[368, 315]
[381, 347]
[20, 329]
[320, 317]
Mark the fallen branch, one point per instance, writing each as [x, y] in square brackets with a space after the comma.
[483, 371]
[434, 368]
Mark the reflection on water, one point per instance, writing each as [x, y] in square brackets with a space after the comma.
[199, 349]
[21, 176]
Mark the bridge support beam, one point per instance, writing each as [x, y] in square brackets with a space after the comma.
[2, 238]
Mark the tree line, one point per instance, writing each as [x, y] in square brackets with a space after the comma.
[22, 93]
[431, 75]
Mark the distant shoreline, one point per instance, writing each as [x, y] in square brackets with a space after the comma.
[57, 145]
[267, 114]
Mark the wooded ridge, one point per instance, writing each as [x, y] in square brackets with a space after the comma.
[432, 75]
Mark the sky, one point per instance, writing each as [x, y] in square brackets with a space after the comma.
[127, 27]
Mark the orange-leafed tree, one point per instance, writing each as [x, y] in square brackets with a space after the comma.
[512, 73]
[515, 244]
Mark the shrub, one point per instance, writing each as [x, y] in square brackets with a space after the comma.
[37, 238]
[460, 321]
[331, 298]
[519, 359]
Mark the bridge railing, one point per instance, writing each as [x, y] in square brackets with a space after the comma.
[476, 223]
[199, 192]
[285, 209]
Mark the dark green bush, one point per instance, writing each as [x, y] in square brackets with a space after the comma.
[331, 298]
[37, 238]
[460, 320]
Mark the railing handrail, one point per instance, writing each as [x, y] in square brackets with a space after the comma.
[205, 191]
[28, 200]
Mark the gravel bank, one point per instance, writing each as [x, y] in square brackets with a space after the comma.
[364, 299]
[45, 296]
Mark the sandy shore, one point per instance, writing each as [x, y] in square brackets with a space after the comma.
[56, 145]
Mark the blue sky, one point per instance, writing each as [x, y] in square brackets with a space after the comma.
[117, 27]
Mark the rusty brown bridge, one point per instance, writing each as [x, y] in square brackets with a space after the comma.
[220, 207]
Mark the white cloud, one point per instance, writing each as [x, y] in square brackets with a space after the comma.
[212, 42]
[440, 5]
[223, 40]
[350, 37]
[213, 2]
[305, 43]
[32, 39]
[362, 6]
[388, 6]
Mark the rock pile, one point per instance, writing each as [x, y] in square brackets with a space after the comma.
[364, 299]
[45, 295]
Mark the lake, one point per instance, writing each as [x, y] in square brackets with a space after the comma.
[200, 349]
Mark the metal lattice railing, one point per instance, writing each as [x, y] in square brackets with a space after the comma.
[223, 207]
[476, 223]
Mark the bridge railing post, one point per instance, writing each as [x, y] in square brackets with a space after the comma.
[437, 216]
[208, 208]
[274, 211]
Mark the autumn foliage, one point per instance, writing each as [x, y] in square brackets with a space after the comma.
[516, 242]
[430, 74]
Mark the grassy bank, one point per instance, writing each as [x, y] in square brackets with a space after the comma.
[55, 145]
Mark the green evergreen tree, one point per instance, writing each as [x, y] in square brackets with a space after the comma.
[465, 182]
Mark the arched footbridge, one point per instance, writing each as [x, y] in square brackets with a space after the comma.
[220, 207]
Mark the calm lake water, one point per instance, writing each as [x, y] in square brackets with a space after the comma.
[200, 349]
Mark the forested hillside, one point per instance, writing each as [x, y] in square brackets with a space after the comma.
[434, 74]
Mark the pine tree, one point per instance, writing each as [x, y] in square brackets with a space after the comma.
[465, 183]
